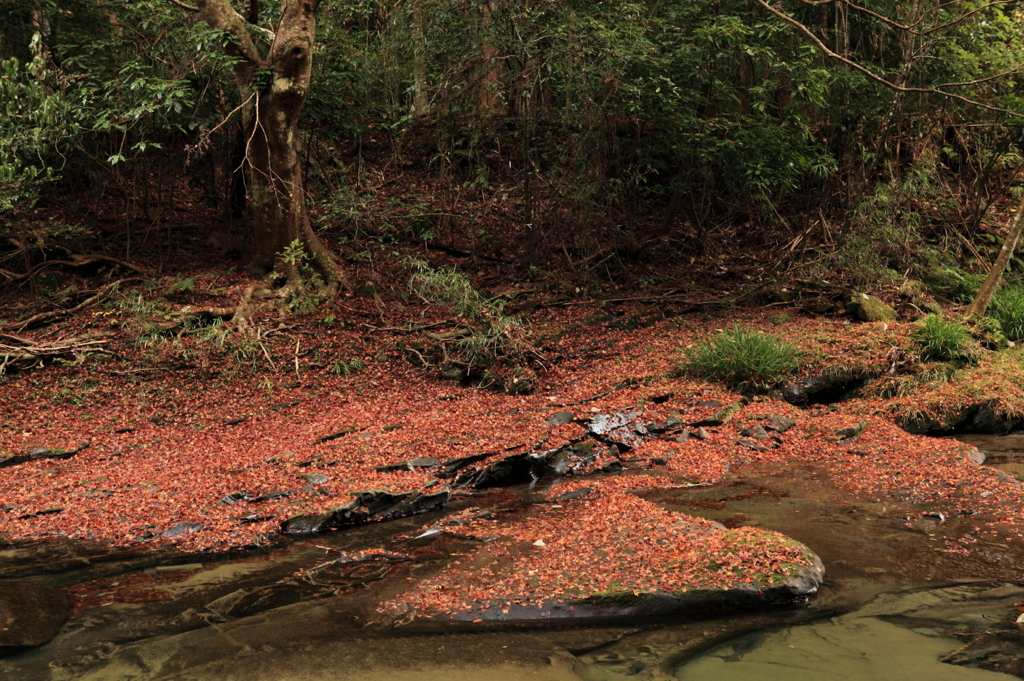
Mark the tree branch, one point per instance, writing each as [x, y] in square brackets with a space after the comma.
[905, 27]
[182, 5]
[878, 79]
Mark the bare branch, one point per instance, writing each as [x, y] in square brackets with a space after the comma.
[182, 5]
[879, 79]
[909, 27]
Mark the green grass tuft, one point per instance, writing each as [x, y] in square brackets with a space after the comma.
[742, 356]
[943, 339]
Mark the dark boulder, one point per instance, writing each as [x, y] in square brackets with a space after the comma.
[30, 615]
[823, 389]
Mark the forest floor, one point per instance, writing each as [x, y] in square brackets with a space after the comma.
[212, 442]
[126, 423]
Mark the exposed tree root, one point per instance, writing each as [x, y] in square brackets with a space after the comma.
[52, 315]
[72, 260]
[257, 298]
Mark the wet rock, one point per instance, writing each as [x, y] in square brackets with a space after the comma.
[234, 498]
[701, 434]
[521, 468]
[411, 464]
[869, 309]
[272, 496]
[853, 431]
[623, 534]
[823, 389]
[30, 615]
[560, 418]
[723, 415]
[682, 437]
[348, 430]
[452, 466]
[780, 424]
[757, 432]
[622, 428]
[60, 562]
[368, 506]
[576, 494]
[990, 422]
[314, 478]
[674, 420]
[41, 453]
[750, 444]
[180, 530]
[45, 511]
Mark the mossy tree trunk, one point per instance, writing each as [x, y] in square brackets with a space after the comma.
[273, 91]
[980, 304]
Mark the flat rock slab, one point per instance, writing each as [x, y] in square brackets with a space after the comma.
[30, 615]
[600, 551]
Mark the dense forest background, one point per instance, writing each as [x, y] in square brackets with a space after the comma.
[581, 145]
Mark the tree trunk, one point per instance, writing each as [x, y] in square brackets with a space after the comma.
[491, 101]
[273, 92]
[420, 100]
[979, 305]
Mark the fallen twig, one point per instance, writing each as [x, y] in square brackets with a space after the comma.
[22, 356]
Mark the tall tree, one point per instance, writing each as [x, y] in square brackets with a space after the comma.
[272, 90]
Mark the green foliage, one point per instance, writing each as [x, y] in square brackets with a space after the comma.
[1007, 307]
[35, 124]
[448, 286]
[742, 356]
[953, 283]
[989, 332]
[943, 339]
[492, 335]
[347, 367]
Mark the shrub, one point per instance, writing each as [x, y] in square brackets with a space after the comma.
[742, 356]
[943, 339]
[1007, 308]
[491, 335]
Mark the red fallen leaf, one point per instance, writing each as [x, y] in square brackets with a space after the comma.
[1019, 606]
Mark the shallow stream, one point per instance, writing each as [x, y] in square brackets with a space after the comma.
[895, 604]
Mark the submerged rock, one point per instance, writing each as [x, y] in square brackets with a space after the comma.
[30, 615]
